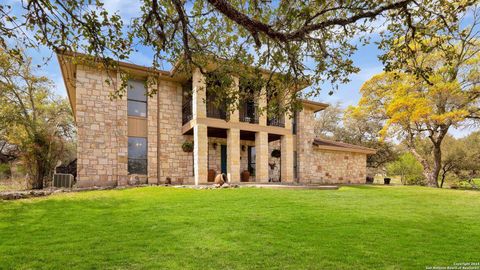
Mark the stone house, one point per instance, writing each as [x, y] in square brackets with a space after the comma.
[135, 139]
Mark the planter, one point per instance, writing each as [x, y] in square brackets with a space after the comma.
[187, 146]
[276, 153]
[211, 175]
[245, 176]
[386, 181]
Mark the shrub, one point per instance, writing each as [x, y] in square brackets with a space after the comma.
[408, 168]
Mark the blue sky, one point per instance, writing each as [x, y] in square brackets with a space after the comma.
[366, 58]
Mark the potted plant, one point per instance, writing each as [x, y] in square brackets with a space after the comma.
[245, 176]
[276, 153]
[187, 146]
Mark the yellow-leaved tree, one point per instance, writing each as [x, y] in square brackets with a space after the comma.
[411, 107]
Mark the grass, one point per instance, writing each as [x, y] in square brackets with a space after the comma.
[361, 227]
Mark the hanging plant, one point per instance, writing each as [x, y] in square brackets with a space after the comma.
[276, 153]
[187, 146]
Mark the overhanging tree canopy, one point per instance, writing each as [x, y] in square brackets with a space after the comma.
[280, 36]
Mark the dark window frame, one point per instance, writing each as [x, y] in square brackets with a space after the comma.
[138, 101]
[138, 159]
[252, 161]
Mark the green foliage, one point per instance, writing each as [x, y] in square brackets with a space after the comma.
[5, 170]
[359, 129]
[413, 106]
[408, 168]
[187, 146]
[32, 118]
[282, 37]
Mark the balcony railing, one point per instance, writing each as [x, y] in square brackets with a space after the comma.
[213, 111]
[248, 113]
[276, 121]
[187, 114]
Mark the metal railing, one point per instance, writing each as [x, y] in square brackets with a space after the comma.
[213, 111]
[276, 121]
[187, 113]
[248, 113]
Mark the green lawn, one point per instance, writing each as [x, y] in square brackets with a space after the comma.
[168, 228]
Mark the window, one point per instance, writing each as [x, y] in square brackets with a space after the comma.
[294, 123]
[137, 155]
[137, 98]
[295, 165]
[251, 160]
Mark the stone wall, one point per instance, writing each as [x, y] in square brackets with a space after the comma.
[173, 162]
[152, 136]
[325, 166]
[337, 167]
[102, 142]
[274, 173]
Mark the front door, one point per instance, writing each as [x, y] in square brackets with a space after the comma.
[224, 158]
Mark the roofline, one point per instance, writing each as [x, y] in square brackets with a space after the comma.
[344, 147]
[316, 106]
[121, 64]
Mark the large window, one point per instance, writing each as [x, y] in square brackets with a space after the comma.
[251, 160]
[137, 155]
[137, 98]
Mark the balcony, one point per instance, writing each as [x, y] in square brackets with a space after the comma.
[276, 121]
[187, 113]
[218, 112]
[248, 113]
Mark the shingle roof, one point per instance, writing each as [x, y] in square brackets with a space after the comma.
[341, 146]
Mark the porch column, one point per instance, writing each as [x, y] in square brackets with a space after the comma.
[233, 155]
[261, 160]
[199, 108]
[235, 115]
[200, 153]
[286, 160]
[262, 104]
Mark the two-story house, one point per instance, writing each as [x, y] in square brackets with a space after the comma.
[143, 139]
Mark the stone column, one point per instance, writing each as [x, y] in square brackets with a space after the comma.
[288, 121]
[199, 108]
[261, 161]
[233, 155]
[262, 104]
[286, 161]
[200, 153]
[152, 132]
[234, 116]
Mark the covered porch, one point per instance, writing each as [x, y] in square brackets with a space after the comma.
[243, 155]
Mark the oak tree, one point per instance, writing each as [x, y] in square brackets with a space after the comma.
[282, 37]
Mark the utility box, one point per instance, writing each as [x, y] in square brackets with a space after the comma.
[63, 180]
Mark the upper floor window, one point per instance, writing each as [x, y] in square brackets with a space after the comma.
[137, 98]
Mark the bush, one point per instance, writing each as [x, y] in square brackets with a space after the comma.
[408, 168]
[5, 171]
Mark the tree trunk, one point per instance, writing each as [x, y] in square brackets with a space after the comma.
[39, 176]
[431, 174]
[443, 180]
[432, 181]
